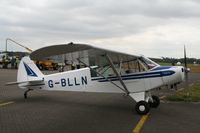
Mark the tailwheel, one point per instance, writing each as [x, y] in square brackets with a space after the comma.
[26, 93]
[155, 102]
[142, 107]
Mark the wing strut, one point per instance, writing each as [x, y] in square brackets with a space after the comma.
[117, 74]
[102, 76]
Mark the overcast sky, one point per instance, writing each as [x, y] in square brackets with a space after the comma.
[154, 28]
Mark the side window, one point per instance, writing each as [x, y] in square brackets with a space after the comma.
[124, 65]
[104, 67]
[132, 67]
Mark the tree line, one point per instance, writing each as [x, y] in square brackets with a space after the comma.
[175, 60]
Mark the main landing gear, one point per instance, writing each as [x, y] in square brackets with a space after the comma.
[26, 93]
[144, 102]
[155, 102]
[142, 107]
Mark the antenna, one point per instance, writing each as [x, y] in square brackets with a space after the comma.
[8, 39]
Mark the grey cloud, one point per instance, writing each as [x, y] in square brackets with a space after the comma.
[44, 20]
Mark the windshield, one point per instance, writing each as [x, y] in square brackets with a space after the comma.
[148, 63]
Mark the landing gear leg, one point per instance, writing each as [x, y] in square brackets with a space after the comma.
[26, 93]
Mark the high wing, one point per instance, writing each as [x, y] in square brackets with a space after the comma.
[73, 53]
[79, 51]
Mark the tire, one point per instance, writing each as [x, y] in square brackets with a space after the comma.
[142, 108]
[155, 103]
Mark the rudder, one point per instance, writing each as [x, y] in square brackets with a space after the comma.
[28, 71]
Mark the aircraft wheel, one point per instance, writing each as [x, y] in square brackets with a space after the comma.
[155, 103]
[142, 108]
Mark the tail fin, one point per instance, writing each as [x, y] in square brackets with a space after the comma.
[28, 71]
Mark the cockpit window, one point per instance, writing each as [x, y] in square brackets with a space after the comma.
[123, 65]
[148, 63]
[132, 66]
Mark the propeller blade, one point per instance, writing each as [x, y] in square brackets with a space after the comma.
[185, 63]
[185, 57]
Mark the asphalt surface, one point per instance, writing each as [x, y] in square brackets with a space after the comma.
[73, 112]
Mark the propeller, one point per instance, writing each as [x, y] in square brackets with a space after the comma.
[185, 64]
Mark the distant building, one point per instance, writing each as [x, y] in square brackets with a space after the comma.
[178, 63]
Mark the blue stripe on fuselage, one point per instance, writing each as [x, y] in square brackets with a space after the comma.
[161, 68]
[137, 76]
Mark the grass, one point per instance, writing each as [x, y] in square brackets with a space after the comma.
[189, 94]
[189, 65]
[193, 68]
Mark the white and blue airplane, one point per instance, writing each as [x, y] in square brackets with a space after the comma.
[100, 70]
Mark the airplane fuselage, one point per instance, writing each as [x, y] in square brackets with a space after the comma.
[81, 80]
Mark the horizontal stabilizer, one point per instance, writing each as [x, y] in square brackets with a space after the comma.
[31, 83]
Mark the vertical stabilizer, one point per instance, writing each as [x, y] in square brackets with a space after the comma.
[28, 71]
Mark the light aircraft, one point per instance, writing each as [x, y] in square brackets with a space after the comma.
[100, 70]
